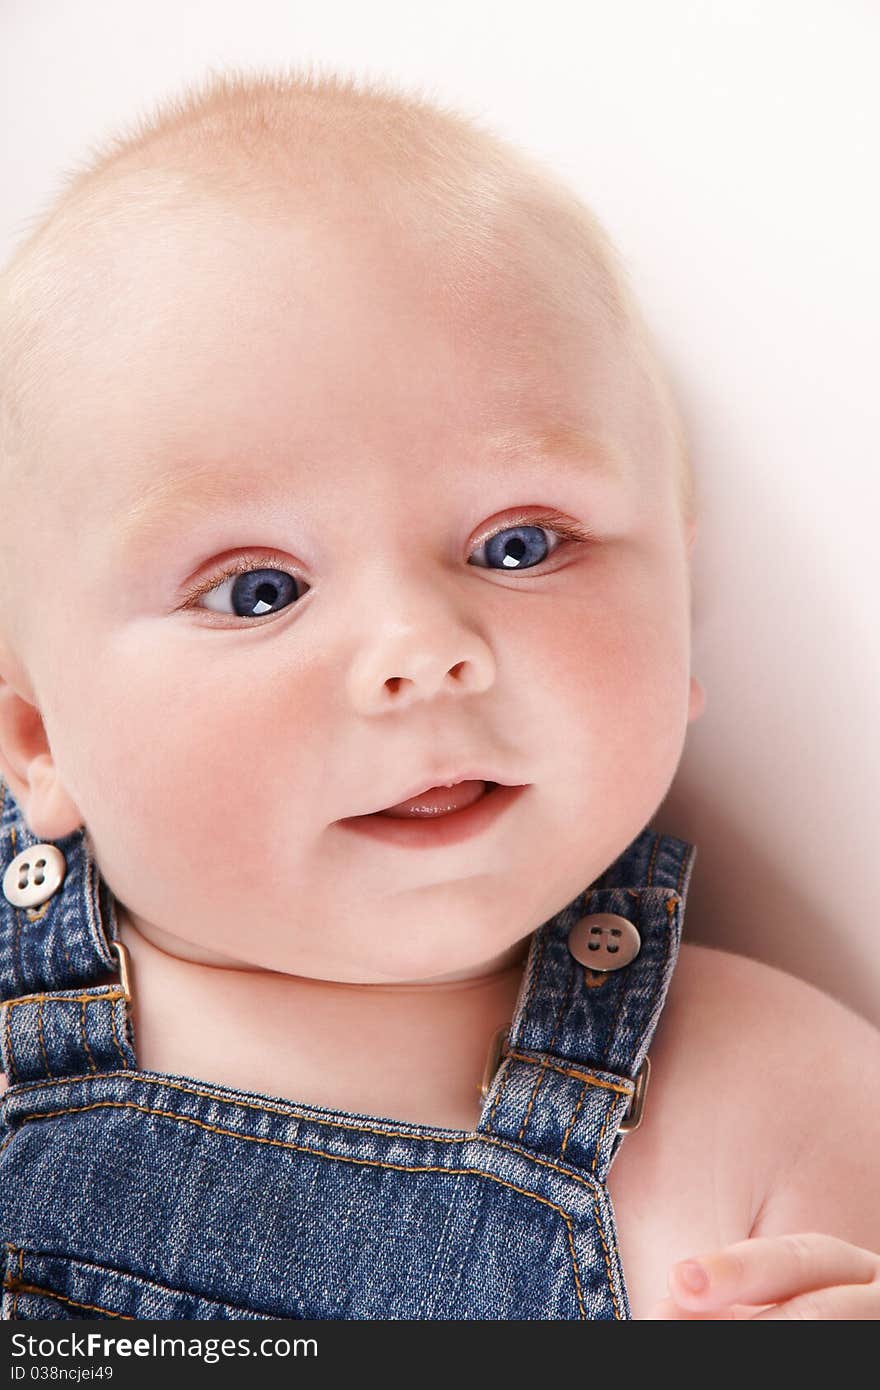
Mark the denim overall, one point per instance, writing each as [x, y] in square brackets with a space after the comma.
[136, 1194]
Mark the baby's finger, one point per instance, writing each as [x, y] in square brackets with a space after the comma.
[845, 1303]
[769, 1269]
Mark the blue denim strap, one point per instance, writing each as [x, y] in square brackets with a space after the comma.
[578, 1038]
[56, 1020]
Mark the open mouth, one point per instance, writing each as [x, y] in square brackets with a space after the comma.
[439, 816]
[439, 801]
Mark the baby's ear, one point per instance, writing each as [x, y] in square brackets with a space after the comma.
[28, 768]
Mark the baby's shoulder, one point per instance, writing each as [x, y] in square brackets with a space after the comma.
[735, 1021]
[755, 1013]
[758, 1053]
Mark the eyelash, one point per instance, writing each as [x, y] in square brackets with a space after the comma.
[548, 521]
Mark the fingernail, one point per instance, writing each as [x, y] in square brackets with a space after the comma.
[694, 1276]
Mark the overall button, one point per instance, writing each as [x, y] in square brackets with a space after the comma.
[34, 875]
[604, 941]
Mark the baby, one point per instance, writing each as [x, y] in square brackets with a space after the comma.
[344, 661]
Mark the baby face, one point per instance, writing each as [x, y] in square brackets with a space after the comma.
[259, 394]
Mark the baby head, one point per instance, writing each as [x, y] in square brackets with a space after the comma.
[337, 462]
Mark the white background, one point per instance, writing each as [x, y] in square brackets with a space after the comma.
[731, 149]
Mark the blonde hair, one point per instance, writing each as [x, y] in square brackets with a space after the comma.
[286, 134]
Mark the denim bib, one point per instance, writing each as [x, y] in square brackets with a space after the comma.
[127, 1193]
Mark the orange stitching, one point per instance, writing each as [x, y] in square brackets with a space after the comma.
[82, 1029]
[356, 1129]
[569, 1071]
[574, 1265]
[18, 1288]
[607, 1265]
[65, 998]
[574, 1115]
[588, 1081]
[535, 1088]
[153, 1283]
[292, 1113]
[82, 1000]
[477, 1135]
[42, 1041]
[300, 1148]
[607, 1116]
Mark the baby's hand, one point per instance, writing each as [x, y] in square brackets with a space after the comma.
[797, 1276]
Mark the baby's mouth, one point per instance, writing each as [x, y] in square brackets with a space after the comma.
[439, 801]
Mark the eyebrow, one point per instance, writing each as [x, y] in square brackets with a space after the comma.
[190, 492]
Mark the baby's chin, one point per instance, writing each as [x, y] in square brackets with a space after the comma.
[144, 939]
[512, 959]
[144, 936]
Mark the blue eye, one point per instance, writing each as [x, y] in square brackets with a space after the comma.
[516, 547]
[254, 592]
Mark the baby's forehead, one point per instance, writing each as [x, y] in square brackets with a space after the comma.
[149, 226]
[155, 276]
[161, 276]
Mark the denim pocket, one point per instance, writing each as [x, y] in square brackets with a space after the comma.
[46, 1284]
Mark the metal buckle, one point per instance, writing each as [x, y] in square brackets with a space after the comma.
[498, 1049]
[633, 1117]
[121, 953]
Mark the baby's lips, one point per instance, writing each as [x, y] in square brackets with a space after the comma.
[439, 801]
[451, 780]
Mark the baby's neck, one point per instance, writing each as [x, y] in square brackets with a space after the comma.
[397, 1051]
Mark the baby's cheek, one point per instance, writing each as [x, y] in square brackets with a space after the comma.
[615, 692]
[189, 773]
